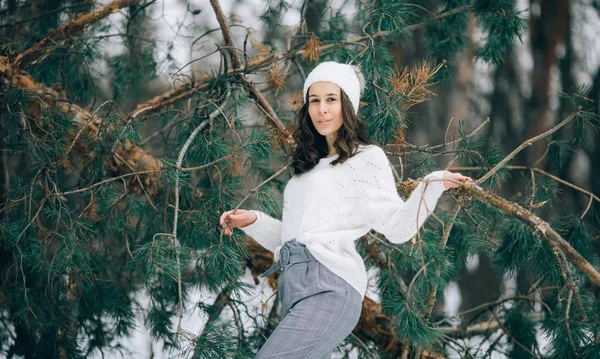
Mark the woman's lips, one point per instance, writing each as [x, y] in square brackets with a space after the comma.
[323, 122]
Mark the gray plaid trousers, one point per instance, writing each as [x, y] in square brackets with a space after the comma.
[318, 308]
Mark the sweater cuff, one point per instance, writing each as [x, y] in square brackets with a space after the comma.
[251, 229]
[436, 186]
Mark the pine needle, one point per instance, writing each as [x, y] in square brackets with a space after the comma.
[411, 84]
[294, 102]
[312, 50]
[261, 51]
[276, 77]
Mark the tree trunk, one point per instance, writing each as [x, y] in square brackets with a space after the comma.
[547, 31]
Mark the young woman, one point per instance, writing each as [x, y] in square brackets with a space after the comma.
[341, 189]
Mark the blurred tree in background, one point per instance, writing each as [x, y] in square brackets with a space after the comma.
[119, 151]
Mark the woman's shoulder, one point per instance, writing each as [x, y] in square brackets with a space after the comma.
[371, 152]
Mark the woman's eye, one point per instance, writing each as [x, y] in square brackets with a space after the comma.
[314, 101]
[331, 99]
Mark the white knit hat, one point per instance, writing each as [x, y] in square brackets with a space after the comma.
[347, 77]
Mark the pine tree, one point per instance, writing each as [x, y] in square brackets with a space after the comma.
[100, 202]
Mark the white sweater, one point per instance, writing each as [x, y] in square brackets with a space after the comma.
[329, 207]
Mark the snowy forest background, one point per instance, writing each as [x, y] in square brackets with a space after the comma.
[117, 115]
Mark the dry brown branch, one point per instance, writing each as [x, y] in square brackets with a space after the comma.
[42, 48]
[235, 57]
[169, 98]
[567, 326]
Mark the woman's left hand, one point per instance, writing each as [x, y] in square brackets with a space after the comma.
[456, 177]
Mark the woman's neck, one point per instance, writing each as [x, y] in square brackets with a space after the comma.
[330, 149]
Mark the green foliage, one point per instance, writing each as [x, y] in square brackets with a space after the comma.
[159, 321]
[271, 18]
[391, 16]
[477, 151]
[408, 321]
[217, 341]
[385, 122]
[521, 249]
[439, 44]
[521, 327]
[544, 190]
[71, 70]
[502, 24]
[575, 333]
[335, 28]
[221, 264]
[78, 268]
[558, 152]
[579, 234]
[586, 122]
[267, 200]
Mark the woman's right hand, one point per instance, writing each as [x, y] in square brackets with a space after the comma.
[240, 219]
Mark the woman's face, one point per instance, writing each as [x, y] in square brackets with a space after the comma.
[325, 108]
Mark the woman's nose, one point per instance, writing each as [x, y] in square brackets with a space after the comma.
[322, 107]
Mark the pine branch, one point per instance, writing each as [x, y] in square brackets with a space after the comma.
[507, 332]
[573, 293]
[169, 98]
[79, 24]
[430, 149]
[47, 13]
[235, 58]
[445, 236]
[490, 305]
[88, 129]
[176, 244]
[568, 277]
[527, 143]
[261, 63]
[537, 225]
[103, 182]
[540, 171]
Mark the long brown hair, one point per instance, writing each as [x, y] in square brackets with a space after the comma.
[311, 146]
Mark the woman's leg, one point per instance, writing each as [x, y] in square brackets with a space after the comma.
[316, 323]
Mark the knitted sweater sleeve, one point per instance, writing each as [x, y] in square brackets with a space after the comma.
[266, 230]
[384, 210]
